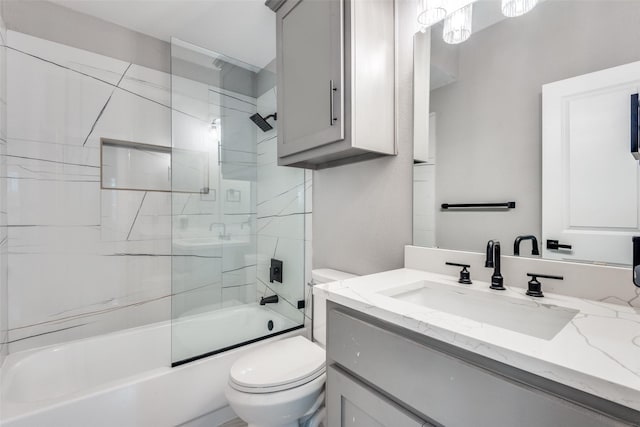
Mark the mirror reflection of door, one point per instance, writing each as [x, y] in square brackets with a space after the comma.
[590, 177]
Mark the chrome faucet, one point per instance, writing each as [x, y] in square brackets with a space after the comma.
[223, 234]
[534, 245]
[493, 261]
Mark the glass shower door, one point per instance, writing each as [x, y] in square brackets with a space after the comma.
[197, 220]
[222, 246]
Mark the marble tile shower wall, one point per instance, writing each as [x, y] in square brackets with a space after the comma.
[283, 221]
[82, 261]
[85, 261]
[3, 194]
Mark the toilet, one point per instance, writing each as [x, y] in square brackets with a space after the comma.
[281, 384]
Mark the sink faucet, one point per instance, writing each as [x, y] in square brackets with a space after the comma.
[534, 245]
[223, 233]
[535, 287]
[493, 261]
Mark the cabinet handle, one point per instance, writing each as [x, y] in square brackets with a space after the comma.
[332, 91]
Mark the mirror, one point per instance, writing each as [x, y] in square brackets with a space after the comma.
[532, 110]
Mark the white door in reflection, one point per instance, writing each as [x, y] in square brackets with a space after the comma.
[590, 177]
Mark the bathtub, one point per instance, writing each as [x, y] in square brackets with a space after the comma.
[125, 379]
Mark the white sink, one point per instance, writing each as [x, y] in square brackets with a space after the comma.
[526, 316]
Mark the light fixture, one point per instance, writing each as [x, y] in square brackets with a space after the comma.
[458, 15]
[457, 26]
[513, 8]
[430, 12]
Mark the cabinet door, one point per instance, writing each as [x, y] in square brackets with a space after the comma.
[310, 69]
[350, 403]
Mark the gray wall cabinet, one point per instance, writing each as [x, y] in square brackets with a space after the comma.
[336, 81]
[392, 373]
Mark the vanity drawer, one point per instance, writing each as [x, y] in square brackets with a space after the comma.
[443, 388]
[353, 404]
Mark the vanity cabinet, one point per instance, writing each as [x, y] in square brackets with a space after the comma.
[336, 81]
[387, 371]
[353, 404]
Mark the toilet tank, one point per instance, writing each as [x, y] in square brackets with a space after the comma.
[318, 276]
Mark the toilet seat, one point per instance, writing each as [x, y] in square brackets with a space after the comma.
[278, 366]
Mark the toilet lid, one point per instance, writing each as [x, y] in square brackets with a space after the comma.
[280, 365]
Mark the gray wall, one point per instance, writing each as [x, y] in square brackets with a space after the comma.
[266, 79]
[59, 24]
[489, 120]
[363, 212]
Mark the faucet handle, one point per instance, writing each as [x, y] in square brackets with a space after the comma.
[554, 245]
[535, 287]
[465, 276]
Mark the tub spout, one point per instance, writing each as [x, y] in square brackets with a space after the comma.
[269, 300]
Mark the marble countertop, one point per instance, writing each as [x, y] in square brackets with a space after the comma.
[598, 351]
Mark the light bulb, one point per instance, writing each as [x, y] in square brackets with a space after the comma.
[430, 12]
[457, 26]
[513, 8]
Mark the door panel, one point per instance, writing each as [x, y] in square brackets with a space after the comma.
[310, 65]
[590, 178]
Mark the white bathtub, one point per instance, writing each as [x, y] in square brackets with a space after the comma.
[125, 379]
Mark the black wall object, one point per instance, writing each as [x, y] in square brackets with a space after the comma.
[554, 245]
[275, 272]
[635, 127]
[636, 260]
[505, 205]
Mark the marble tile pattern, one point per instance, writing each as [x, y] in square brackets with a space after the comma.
[308, 254]
[82, 261]
[3, 195]
[597, 351]
[283, 221]
[85, 261]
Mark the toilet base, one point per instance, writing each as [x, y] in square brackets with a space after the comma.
[278, 409]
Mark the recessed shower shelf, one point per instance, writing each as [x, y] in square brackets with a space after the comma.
[136, 166]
